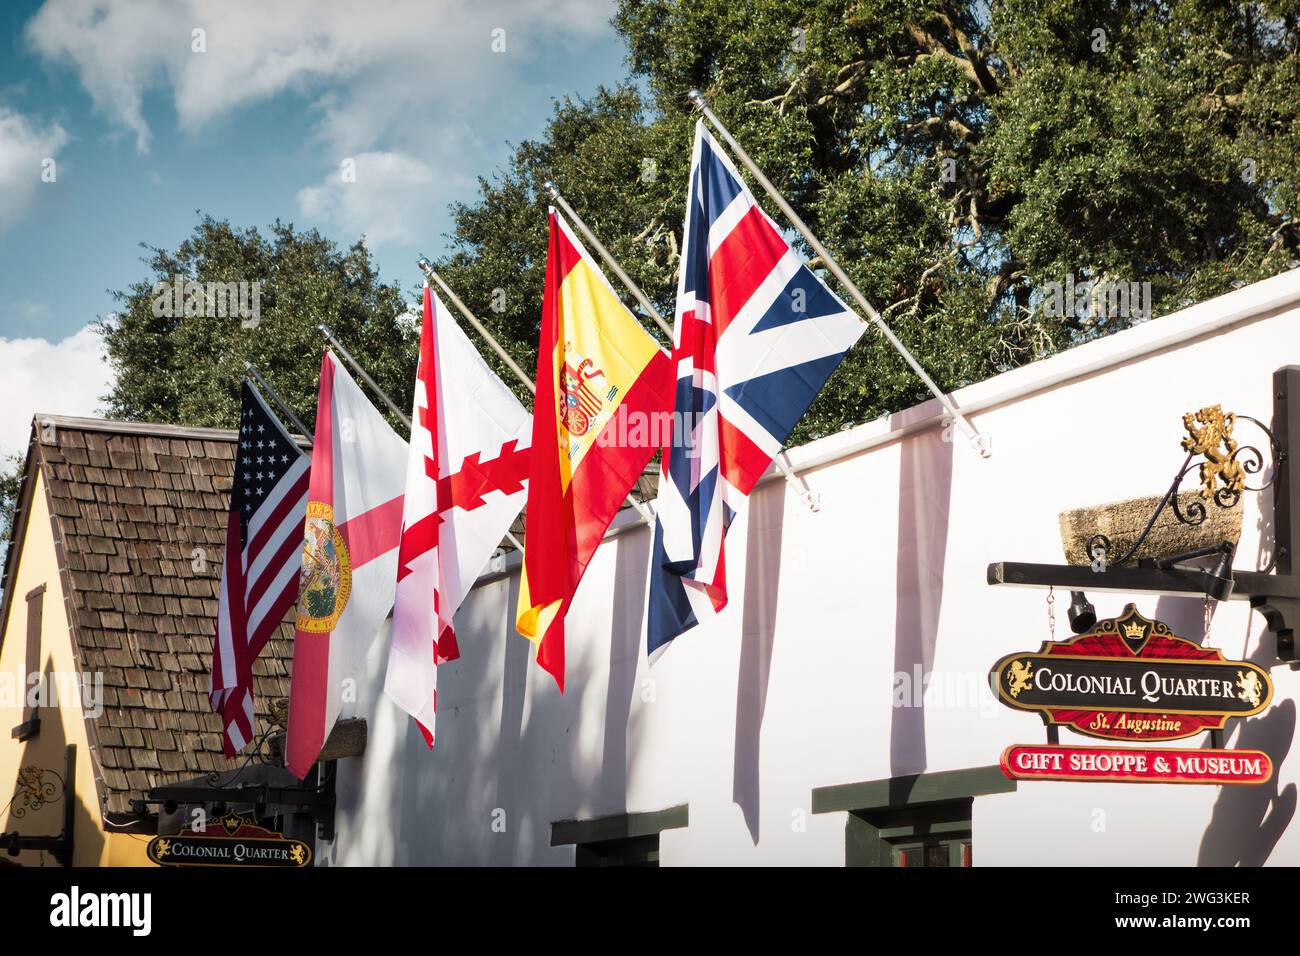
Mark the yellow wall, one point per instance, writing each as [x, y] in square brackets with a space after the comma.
[37, 565]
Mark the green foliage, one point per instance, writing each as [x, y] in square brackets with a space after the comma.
[11, 477]
[596, 151]
[187, 369]
[957, 158]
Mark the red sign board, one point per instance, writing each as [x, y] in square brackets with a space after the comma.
[232, 840]
[1130, 678]
[1135, 765]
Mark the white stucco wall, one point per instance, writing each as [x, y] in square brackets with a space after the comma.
[791, 687]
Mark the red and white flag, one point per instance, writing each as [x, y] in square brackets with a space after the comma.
[259, 575]
[465, 483]
[349, 558]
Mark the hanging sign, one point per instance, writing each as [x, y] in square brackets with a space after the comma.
[1130, 678]
[1135, 765]
[233, 840]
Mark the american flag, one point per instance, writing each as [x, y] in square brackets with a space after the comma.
[757, 335]
[259, 577]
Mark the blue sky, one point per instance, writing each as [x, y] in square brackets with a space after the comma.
[249, 119]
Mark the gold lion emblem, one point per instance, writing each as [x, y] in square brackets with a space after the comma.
[1214, 440]
[297, 855]
[162, 847]
[1019, 677]
[30, 782]
[1248, 687]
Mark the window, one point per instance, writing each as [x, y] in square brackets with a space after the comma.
[622, 839]
[631, 851]
[31, 714]
[935, 834]
[917, 820]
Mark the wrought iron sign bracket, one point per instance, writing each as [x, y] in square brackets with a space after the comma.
[1275, 592]
[60, 847]
[316, 799]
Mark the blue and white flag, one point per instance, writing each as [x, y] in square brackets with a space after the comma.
[756, 337]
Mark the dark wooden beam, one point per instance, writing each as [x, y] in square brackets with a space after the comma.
[1148, 580]
[619, 826]
[347, 739]
[895, 792]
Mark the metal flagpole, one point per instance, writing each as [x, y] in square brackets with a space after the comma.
[279, 402]
[427, 268]
[388, 401]
[610, 261]
[980, 442]
[781, 460]
[365, 377]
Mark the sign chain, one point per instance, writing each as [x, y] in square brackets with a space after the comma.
[1051, 614]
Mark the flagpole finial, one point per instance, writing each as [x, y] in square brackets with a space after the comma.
[424, 264]
[697, 99]
[325, 330]
[551, 189]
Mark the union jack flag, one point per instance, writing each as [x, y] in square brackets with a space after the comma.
[756, 337]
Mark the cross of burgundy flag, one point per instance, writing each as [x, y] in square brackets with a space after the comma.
[259, 575]
[349, 559]
[465, 483]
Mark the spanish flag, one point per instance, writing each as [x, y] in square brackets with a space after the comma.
[595, 364]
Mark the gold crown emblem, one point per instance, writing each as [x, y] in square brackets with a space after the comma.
[1134, 630]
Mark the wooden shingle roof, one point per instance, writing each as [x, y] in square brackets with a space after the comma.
[138, 514]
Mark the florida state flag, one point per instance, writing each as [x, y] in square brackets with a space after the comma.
[595, 364]
[349, 559]
[464, 485]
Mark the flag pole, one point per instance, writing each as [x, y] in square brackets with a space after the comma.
[980, 442]
[387, 401]
[279, 402]
[650, 310]
[427, 268]
[365, 377]
[782, 461]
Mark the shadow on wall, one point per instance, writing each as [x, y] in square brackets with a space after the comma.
[47, 751]
[514, 678]
[628, 602]
[925, 495]
[508, 752]
[553, 767]
[758, 632]
[1185, 616]
[1247, 822]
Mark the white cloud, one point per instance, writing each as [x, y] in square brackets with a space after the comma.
[414, 92]
[374, 198]
[60, 378]
[24, 146]
[390, 60]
